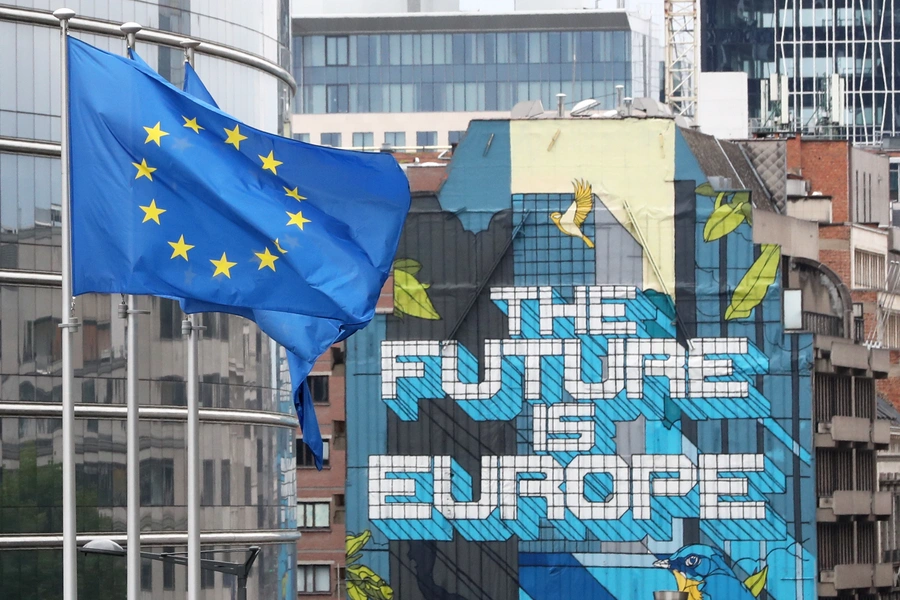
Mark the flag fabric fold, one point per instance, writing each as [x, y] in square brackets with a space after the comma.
[162, 182]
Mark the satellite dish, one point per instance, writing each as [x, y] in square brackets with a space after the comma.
[584, 106]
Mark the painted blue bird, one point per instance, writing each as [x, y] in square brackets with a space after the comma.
[703, 572]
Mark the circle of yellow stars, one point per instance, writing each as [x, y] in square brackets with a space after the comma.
[180, 248]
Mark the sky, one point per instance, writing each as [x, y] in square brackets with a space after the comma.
[486, 5]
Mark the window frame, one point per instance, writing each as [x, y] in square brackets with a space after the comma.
[302, 504]
[328, 568]
[300, 445]
[319, 387]
[333, 47]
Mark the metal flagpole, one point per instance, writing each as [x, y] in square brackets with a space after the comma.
[68, 326]
[190, 328]
[127, 310]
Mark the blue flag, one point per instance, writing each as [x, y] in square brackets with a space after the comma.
[173, 197]
[195, 87]
[304, 332]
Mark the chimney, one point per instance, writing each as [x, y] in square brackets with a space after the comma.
[560, 105]
[620, 93]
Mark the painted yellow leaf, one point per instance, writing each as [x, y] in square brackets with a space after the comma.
[355, 544]
[752, 288]
[411, 297]
[355, 593]
[719, 198]
[407, 265]
[723, 220]
[705, 190]
[368, 583]
[756, 583]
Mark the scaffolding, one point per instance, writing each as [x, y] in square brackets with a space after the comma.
[682, 56]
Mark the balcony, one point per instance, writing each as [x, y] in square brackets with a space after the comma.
[853, 431]
[823, 324]
[853, 504]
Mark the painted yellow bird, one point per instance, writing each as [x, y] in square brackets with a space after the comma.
[570, 221]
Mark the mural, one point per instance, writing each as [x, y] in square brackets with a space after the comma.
[585, 390]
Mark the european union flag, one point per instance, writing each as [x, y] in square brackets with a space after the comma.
[305, 329]
[175, 198]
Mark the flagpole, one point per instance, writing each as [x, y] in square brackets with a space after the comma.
[68, 325]
[190, 328]
[128, 310]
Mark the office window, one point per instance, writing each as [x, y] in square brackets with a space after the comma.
[395, 139]
[302, 137]
[318, 387]
[337, 98]
[336, 51]
[313, 579]
[455, 137]
[207, 579]
[426, 138]
[168, 571]
[363, 140]
[209, 483]
[226, 483]
[331, 139]
[305, 458]
[146, 575]
[313, 515]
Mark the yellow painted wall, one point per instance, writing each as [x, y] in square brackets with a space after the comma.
[626, 161]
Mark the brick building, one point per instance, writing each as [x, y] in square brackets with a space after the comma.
[321, 554]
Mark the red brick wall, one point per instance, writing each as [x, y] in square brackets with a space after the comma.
[326, 546]
[890, 387]
[826, 165]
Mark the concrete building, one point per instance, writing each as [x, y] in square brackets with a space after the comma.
[415, 80]
[247, 423]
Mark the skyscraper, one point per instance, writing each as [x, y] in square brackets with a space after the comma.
[247, 421]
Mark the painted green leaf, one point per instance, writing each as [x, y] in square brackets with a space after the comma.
[723, 220]
[705, 190]
[355, 544]
[355, 593]
[747, 210]
[407, 265]
[411, 297]
[752, 288]
[756, 583]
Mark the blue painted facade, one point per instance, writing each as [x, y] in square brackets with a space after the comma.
[557, 434]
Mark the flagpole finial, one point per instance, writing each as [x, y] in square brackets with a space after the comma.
[63, 14]
[189, 47]
[130, 29]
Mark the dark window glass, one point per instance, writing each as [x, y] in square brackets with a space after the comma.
[169, 319]
[395, 139]
[337, 98]
[207, 579]
[209, 483]
[146, 575]
[336, 51]
[157, 482]
[302, 137]
[226, 483]
[426, 138]
[168, 572]
[331, 139]
[305, 458]
[318, 387]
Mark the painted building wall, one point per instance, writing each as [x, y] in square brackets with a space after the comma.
[585, 389]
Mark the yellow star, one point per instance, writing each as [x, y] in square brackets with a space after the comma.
[144, 170]
[151, 213]
[278, 246]
[192, 124]
[154, 134]
[179, 248]
[297, 219]
[293, 194]
[266, 259]
[235, 137]
[223, 266]
[269, 162]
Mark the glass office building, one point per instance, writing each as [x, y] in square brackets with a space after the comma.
[818, 67]
[466, 62]
[248, 477]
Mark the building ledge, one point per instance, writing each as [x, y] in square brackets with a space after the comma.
[853, 431]
[865, 577]
[854, 505]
